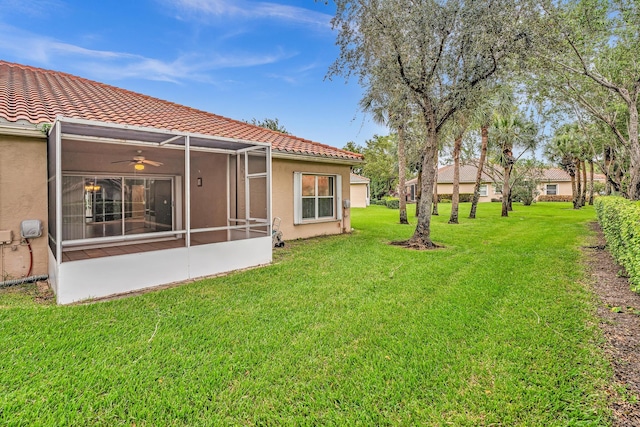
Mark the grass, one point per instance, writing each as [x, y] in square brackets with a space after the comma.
[498, 328]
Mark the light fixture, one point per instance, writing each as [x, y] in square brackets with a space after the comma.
[138, 166]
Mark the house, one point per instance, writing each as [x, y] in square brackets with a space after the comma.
[488, 189]
[360, 192]
[554, 182]
[116, 191]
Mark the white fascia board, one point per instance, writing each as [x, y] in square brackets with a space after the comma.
[311, 158]
[21, 130]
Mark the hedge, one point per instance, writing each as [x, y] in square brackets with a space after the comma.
[393, 203]
[555, 198]
[620, 222]
[463, 197]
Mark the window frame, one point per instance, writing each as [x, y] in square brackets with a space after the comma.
[88, 177]
[298, 198]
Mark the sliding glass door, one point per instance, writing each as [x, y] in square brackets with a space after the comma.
[99, 206]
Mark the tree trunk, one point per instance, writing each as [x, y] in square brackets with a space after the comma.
[435, 185]
[507, 159]
[455, 196]
[402, 176]
[584, 183]
[591, 174]
[422, 236]
[484, 130]
[419, 188]
[505, 191]
[574, 188]
[578, 185]
[633, 191]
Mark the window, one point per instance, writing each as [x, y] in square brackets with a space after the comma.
[317, 197]
[483, 190]
[552, 189]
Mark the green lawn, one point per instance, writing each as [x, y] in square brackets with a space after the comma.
[498, 328]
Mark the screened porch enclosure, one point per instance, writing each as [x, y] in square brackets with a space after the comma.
[133, 207]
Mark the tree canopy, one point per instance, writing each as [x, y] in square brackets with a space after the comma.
[441, 53]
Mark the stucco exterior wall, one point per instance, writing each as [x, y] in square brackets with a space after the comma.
[359, 195]
[468, 189]
[23, 195]
[282, 206]
[564, 188]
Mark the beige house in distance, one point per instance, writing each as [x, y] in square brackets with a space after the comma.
[108, 191]
[360, 193]
[555, 182]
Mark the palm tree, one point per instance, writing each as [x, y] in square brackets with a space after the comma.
[563, 150]
[390, 106]
[508, 131]
[500, 102]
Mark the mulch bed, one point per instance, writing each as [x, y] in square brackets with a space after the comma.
[619, 315]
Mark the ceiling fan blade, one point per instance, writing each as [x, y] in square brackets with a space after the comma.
[152, 163]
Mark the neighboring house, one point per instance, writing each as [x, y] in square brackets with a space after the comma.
[134, 192]
[488, 190]
[555, 182]
[360, 193]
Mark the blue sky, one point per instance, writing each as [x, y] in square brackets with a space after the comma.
[242, 59]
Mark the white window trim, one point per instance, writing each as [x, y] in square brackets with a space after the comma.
[297, 199]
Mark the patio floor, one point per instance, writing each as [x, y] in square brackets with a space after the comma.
[81, 254]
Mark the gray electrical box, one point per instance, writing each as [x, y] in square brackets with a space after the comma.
[31, 228]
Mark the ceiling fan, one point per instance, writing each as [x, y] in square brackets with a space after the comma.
[139, 161]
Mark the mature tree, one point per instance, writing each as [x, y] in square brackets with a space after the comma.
[272, 124]
[500, 101]
[564, 150]
[389, 104]
[458, 130]
[354, 148]
[525, 180]
[588, 57]
[511, 131]
[380, 156]
[443, 52]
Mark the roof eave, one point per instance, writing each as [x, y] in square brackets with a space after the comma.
[21, 130]
[277, 154]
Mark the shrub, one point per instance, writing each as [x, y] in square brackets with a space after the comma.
[619, 219]
[555, 198]
[393, 203]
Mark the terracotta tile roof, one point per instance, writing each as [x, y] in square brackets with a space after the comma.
[468, 174]
[37, 96]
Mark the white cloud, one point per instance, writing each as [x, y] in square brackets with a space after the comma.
[252, 10]
[23, 46]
